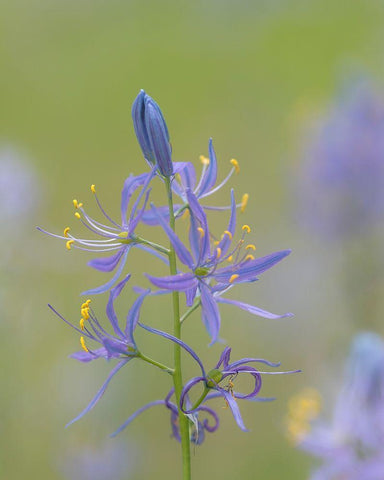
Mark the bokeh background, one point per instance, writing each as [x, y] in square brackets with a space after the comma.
[254, 75]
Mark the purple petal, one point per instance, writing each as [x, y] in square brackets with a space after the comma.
[244, 361]
[206, 425]
[150, 218]
[252, 309]
[181, 250]
[198, 212]
[110, 310]
[224, 358]
[107, 264]
[133, 317]
[210, 175]
[190, 296]
[131, 184]
[184, 393]
[187, 175]
[136, 414]
[227, 240]
[108, 285]
[180, 282]
[234, 408]
[138, 117]
[210, 313]
[114, 347]
[176, 340]
[100, 393]
[249, 269]
[85, 357]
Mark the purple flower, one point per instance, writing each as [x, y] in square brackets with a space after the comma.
[341, 183]
[351, 446]
[208, 279]
[152, 133]
[185, 180]
[119, 238]
[218, 382]
[120, 345]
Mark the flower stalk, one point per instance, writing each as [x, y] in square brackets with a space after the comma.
[177, 376]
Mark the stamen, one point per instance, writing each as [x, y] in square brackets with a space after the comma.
[250, 247]
[82, 320]
[201, 231]
[204, 160]
[77, 215]
[76, 204]
[85, 313]
[230, 258]
[233, 277]
[86, 303]
[244, 202]
[82, 341]
[216, 242]
[93, 188]
[247, 228]
[227, 232]
[235, 164]
[69, 243]
[218, 252]
[249, 257]
[66, 230]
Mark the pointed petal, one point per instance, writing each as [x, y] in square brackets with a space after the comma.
[110, 310]
[138, 117]
[224, 358]
[175, 340]
[100, 393]
[85, 357]
[133, 316]
[187, 175]
[180, 282]
[210, 313]
[252, 309]
[114, 347]
[131, 184]
[190, 296]
[107, 264]
[181, 250]
[234, 408]
[210, 174]
[184, 393]
[108, 285]
[198, 212]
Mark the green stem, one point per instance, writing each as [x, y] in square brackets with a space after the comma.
[201, 398]
[155, 246]
[190, 310]
[177, 376]
[169, 370]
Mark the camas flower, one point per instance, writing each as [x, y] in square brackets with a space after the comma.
[119, 238]
[341, 180]
[120, 345]
[352, 445]
[208, 279]
[152, 133]
[185, 180]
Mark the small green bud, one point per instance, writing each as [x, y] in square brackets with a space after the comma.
[201, 271]
[213, 378]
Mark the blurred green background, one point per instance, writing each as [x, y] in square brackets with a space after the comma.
[248, 74]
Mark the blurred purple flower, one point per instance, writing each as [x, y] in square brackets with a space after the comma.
[121, 345]
[116, 237]
[113, 460]
[352, 445]
[342, 178]
[207, 279]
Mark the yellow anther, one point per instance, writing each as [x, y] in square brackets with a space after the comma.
[230, 258]
[85, 313]
[218, 252]
[76, 204]
[82, 341]
[235, 164]
[233, 277]
[86, 303]
[69, 243]
[93, 188]
[250, 247]
[244, 202]
[247, 228]
[227, 232]
[66, 230]
[77, 215]
[215, 243]
[204, 160]
[249, 257]
[185, 214]
[201, 231]
[82, 320]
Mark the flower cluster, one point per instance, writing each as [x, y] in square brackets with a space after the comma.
[209, 267]
[351, 446]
